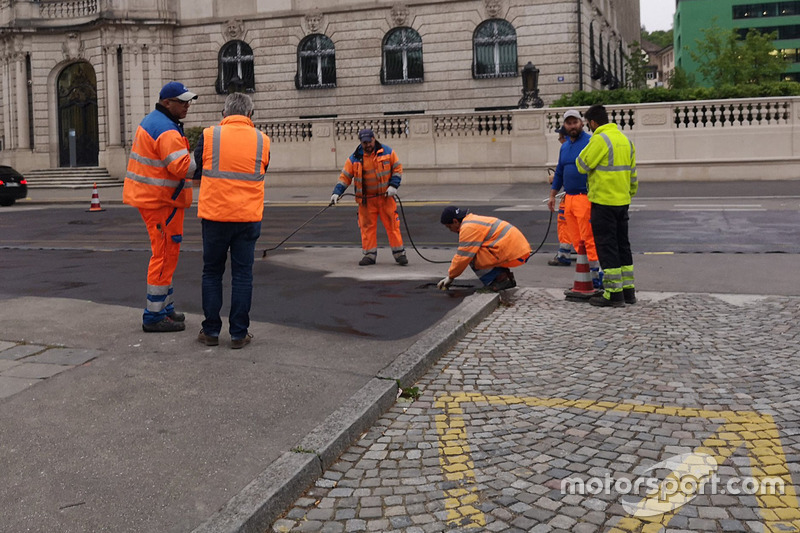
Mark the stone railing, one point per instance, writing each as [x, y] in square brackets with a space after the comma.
[703, 140]
[474, 124]
[287, 131]
[721, 114]
[67, 9]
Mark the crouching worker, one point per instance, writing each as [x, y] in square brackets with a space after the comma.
[492, 247]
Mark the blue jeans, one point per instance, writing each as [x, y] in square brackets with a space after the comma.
[240, 238]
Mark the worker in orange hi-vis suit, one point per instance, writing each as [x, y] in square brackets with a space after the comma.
[377, 172]
[158, 182]
[492, 247]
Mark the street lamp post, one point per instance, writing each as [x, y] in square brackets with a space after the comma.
[530, 87]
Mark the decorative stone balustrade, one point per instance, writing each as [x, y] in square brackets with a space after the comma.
[703, 140]
[67, 9]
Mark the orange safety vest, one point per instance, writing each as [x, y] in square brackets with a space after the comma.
[160, 167]
[375, 181]
[489, 242]
[235, 158]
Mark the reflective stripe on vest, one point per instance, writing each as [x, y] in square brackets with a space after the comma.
[610, 167]
[215, 172]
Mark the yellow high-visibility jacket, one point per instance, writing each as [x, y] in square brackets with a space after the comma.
[610, 161]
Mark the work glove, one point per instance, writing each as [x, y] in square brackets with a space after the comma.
[445, 283]
[391, 191]
[334, 199]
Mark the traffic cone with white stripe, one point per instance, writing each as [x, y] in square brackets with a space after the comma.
[95, 205]
[582, 287]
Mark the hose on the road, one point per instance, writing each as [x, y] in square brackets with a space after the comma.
[405, 223]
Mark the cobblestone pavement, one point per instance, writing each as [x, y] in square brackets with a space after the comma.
[23, 365]
[674, 389]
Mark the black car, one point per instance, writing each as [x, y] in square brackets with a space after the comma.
[12, 186]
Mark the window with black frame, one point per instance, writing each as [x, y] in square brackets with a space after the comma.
[494, 46]
[316, 63]
[236, 73]
[402, 57]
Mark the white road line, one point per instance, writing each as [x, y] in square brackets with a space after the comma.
[718, 205]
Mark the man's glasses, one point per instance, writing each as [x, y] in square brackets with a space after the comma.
[181, 102]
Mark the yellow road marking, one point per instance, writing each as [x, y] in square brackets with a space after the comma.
[755, 431]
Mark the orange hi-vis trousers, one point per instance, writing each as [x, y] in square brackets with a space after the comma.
[165, 228]
[385, 208]
[577, 212]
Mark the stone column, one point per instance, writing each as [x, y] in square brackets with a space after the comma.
[137, 105]
[23, 126]
[112, 95]
[154, 70]
[7, 116]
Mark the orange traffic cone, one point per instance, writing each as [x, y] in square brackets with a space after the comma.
[582, 287]
[95, 206]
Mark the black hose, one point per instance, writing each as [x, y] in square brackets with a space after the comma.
[405, 223]
[408, 233]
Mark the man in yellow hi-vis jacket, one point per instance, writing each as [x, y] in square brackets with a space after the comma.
[610, 161]
[492, 247]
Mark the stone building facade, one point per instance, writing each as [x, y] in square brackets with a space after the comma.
[83, 73]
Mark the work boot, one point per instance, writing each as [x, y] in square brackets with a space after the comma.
[237, 344]
[206, 339]
[616, 300]
[164, 325]
[559, 262]
[629, 295]
[401, 259]
[502, 282]
[367, 260]
[177, 316]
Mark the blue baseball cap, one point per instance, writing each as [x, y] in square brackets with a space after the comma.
[366, 135]
[176, 89]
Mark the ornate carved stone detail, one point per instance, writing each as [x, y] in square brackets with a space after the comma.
[494, 8]
[314, 21]
[72, 47]
[233, 30]
[400, 14]
[108, 36]
[154, 44]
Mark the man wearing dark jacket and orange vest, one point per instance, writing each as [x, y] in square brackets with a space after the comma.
[377, 172]
[492, 247]
[158, 182]
[233, 157]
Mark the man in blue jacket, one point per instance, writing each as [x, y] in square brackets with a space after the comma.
[577, 208]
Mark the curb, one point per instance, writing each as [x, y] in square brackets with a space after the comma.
[263, 500]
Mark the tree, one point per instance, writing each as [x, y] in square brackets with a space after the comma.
[726, 59]
[660, 37]
[680, 79]
[636, 66]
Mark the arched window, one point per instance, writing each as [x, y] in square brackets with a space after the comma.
[594, 63]
[316, 63]
[402, 56]
[494, 46]
[235, 68]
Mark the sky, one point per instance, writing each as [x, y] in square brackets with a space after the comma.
[657, 14]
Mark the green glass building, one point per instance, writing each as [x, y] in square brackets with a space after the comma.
[693, 16]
